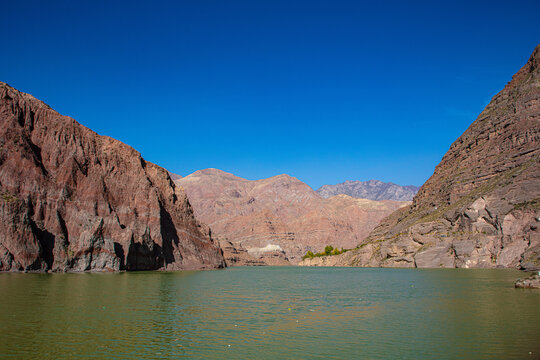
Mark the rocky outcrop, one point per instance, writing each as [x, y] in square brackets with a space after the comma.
[279, 214]
[532, 282]
[372, 190]
[236, 255]
[481, 207]
[71, 200]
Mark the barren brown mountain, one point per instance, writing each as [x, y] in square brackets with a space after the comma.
[280, 214]
[71, 200]
[481, 207]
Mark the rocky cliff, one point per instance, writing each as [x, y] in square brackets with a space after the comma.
[279, 215]
[481, 207]
[71, 200]
[372, 190]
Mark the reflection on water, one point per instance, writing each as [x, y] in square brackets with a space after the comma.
[272, 312]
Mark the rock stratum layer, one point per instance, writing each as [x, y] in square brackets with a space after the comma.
[481, 207]
[279, 215]
[71, 200]
[372, 190]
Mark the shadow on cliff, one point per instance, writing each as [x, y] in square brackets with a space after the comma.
[168, 234]
[147, 255]
[46, 242]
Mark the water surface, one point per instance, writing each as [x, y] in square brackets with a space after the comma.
[269, 313]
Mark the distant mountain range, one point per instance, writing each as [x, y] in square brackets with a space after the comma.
[279, 213]
[372, 190]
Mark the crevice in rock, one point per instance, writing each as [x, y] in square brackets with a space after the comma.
[46, 242]
[169, 235]
[63, 227]
[119, 251]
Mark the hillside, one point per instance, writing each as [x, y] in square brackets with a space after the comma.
[280, 213]
[481, 206]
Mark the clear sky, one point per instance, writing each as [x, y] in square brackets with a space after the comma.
[325, 91]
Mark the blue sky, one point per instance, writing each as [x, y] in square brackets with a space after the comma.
[325, 91]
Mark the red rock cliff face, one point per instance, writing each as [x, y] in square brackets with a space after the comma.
[481, 207]
[71, 200]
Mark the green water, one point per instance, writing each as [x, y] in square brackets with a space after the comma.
[270, 313]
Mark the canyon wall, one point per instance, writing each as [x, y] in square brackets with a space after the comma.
[71, 200]
[481, 206]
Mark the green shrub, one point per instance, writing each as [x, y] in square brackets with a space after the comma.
[328, 249]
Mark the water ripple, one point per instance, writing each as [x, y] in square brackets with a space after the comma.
[268, 313]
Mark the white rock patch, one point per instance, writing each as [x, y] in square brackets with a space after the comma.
[267, 248]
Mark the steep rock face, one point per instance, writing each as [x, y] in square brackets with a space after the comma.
[372, 189]
[71, 200]
[481, 207]
[279, 214]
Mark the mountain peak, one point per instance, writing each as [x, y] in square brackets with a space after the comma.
[532, 66]
[371, 189]
[283, 178]
[214, 173]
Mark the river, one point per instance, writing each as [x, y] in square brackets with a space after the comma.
[270, 313]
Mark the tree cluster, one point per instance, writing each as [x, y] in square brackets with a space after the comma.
[328, 251]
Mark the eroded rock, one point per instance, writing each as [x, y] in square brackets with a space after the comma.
[71, 200]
